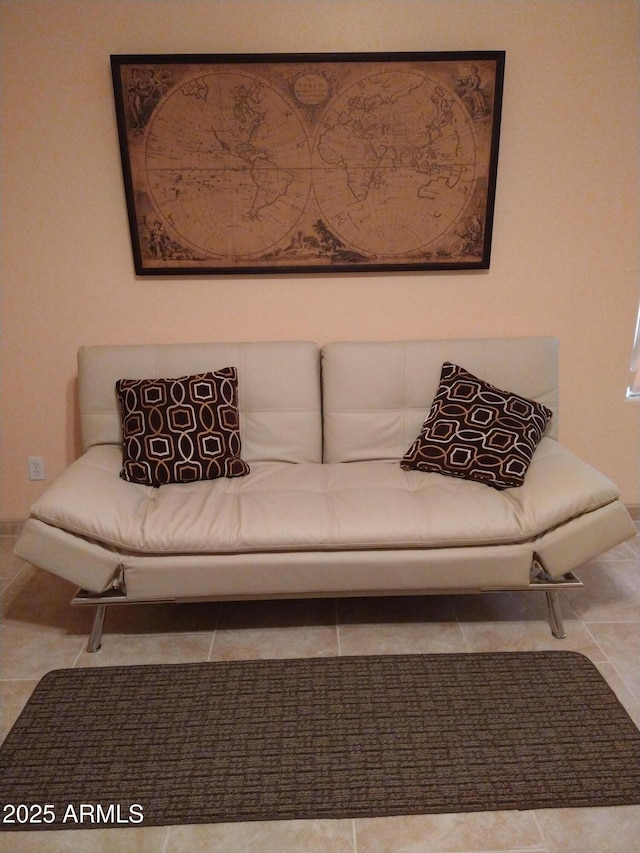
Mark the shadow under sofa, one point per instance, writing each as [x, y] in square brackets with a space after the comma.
[326, 509]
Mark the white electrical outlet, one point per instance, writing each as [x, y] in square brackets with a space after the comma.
[36, 468]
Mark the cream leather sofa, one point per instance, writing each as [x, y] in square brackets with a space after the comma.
[326, 509]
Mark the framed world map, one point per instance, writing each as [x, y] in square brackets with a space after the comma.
[282, 163]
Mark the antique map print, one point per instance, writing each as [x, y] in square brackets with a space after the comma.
[311, 163]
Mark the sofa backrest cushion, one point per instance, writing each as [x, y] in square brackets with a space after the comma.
[279, 398]
[376, 395]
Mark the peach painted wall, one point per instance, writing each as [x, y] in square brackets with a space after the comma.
[566, 240]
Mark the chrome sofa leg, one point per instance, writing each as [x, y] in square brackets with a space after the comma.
[555, 614]
[95, 638]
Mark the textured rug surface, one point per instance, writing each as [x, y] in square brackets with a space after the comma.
[320, 737]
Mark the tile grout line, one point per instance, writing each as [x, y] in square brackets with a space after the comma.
[80, 653]
[215, 631]
[545, 846]
[628, 686]
[17, 680]
[459, 623]
[543, 849]
[166, 840]
[12, 580]
[605, 656]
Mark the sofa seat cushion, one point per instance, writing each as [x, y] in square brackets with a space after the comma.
[309, 506]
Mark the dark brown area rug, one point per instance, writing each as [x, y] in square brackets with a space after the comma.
[317, 738]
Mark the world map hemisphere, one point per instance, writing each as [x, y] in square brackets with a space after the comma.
[234, 167]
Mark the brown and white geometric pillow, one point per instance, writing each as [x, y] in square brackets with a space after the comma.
[181, 430]
[477, 431]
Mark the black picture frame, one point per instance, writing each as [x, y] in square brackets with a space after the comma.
[303, 163]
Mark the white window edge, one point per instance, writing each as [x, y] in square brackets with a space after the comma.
[633, 391]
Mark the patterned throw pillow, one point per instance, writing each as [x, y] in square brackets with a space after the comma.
[477, 432]
[181, 430]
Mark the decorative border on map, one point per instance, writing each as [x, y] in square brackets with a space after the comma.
[301, 163]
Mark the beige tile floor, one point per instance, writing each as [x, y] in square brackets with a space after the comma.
[40, 632]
